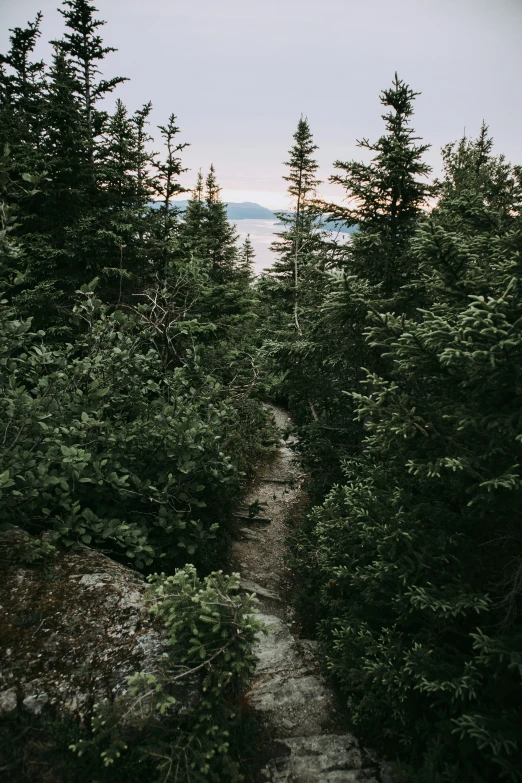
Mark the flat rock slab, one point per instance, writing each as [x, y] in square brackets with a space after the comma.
[330, 758]
[252, 587]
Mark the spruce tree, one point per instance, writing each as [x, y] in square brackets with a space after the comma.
[144, 163]
[66, 148]
[220, 236]
[117, 205]
[301, 235]
[65, 199]
[22, 83]
[375, 270]
[191, 239]
[84, 47]
[166, 186]
[245, 259]
[166, 183]
[387, 196]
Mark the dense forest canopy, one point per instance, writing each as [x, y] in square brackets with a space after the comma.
[136, 347]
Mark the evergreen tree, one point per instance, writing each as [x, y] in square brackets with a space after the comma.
[191, 236]
[118, 206]
[66, 149]
[416, 553]
[219, 236]
[84, 47]
[60, 226]
[245, 259]
[301, 235]
[387, 196]
[293, 289]
[21, 96]
[374, 271]
[166, 186]
[65, 198]
[145, 159]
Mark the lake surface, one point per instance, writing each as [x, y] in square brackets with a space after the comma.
[261, 235]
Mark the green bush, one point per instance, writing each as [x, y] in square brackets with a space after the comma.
[418, 553]
[33, 550]
[188, 737]
[106, 442]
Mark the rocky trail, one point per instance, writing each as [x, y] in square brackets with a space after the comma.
[303, 739]
[72, 633]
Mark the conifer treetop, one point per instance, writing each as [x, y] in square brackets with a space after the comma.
[394, 182]
[85, 48]
[302, 167]
[23, 41]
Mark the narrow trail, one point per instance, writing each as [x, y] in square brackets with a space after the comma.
[305, 742]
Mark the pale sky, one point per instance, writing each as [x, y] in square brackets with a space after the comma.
[239, 73]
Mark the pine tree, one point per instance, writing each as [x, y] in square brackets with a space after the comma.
[117, 205]
[301, 235]
[387, 196]
[21, 96]
[191, 238]
[245, 259]
[375, 270]
[66, 149]
[479, 193]
[166, 186]
[65, 199]
[145, 189]
[84, 47]
[219, 236]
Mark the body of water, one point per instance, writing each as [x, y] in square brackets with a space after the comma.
[261, 235]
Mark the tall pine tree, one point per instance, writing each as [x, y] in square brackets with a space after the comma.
[301, 236]
[386, 196]
[84, 47]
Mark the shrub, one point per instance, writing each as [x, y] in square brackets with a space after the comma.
[107, 443]
[211, 630]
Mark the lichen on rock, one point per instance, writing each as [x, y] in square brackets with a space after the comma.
[72, 630]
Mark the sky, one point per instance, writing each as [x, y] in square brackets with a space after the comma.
[238, 74]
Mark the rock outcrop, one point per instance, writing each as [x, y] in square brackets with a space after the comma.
[71, 631]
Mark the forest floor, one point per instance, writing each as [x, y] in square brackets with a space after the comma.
[301, 738]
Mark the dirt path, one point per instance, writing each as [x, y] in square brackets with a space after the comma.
[295, 705]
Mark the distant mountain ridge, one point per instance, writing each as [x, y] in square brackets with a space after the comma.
[248, 210]
[244, 210]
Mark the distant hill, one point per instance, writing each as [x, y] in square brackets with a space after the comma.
[248, 210]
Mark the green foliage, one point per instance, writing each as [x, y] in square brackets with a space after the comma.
[105, 444]
[285, 284]
[211, 630]
[386, 196]
[320, 359]
[32, 550]
[128, 418]
[128, 384]
[415, 555]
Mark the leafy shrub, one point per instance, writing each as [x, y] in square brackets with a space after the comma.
[106, 442]
[33, 550]
[211, 631]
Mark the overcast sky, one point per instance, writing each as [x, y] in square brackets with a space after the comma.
[239, 73]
